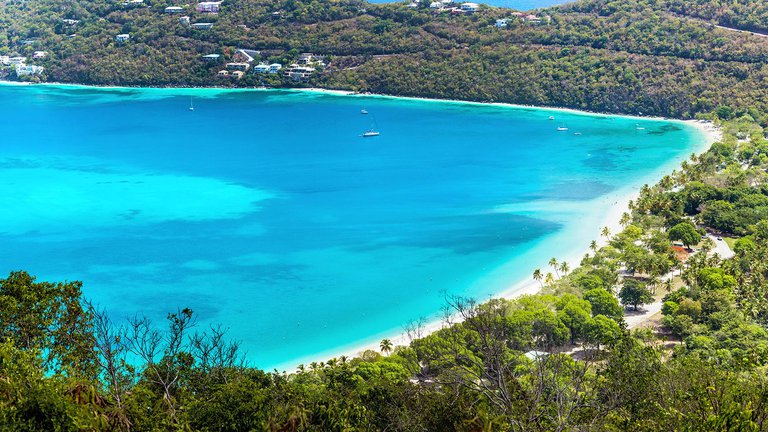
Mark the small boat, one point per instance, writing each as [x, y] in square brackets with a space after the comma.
[577, 133]
[551, 117]
[191, 107]
[562, 128]
[370, 133]
[363, 111]
[638, 127]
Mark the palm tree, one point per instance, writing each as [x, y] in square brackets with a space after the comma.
[386, 346]
[564, 268]
[593, 245]
[553, 264]
[549, 279]
[625, 219]
[606, 232]
[537, 276]
[653, 282]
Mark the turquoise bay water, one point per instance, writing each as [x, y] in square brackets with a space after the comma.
[265, 211]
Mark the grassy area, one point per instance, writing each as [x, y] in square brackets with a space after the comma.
[731, 241]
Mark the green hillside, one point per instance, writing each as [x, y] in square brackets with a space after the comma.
[655, 58]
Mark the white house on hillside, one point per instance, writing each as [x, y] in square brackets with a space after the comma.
[22, 70]
[208, 7]
[470, 7]
[238, 66]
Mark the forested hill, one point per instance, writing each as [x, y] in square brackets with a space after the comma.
[634, 56]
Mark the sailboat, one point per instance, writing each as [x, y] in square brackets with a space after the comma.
[363, 111]
[372, 132]
[191, 107]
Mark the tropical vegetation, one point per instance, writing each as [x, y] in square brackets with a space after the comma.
[573, 357]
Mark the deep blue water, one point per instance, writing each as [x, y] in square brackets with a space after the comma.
[265, 211]
[522, 5]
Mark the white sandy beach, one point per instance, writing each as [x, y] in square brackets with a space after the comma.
[619, 204]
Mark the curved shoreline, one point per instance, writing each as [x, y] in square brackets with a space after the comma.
[709, 134]
[346, 93]
[515, 288]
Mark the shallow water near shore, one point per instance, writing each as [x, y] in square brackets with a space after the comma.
[267, 212]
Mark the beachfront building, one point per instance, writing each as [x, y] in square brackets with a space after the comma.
[238, 66]
[174, 10]
[261, 68]
[208, 7]
[22, 70]
[223, 73]
[275, 68]
[122, 37]
[202, 26]
[298, 72]
[501, 23]
[469, 7]
[238, 74]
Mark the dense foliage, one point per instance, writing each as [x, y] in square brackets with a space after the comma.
[632, 56]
